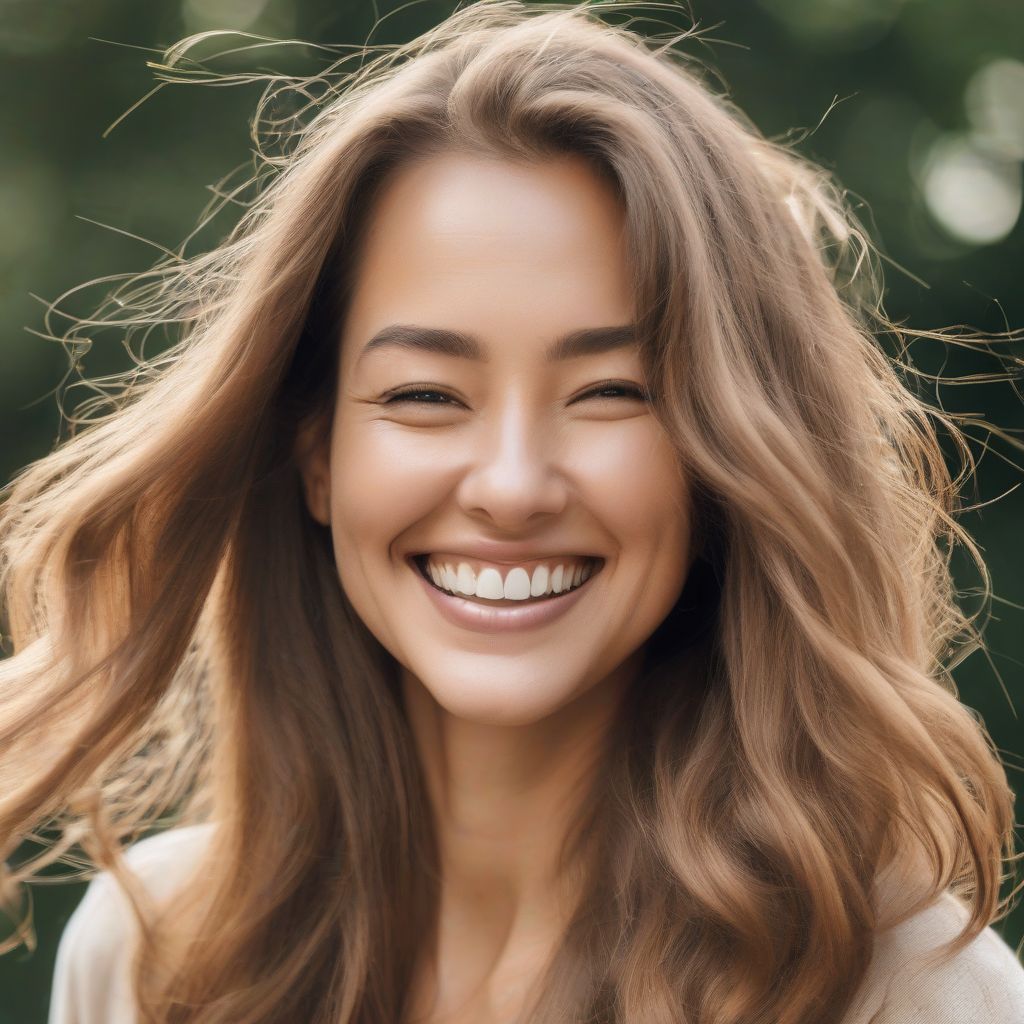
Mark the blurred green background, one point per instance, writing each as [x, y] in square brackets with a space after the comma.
[925, 128]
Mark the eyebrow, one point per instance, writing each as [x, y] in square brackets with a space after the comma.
[443, 341]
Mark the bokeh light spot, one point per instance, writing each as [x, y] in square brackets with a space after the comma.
[975, 196]
[994, 99]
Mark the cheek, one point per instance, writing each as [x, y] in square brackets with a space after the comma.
[636, 477]
[369, 483]
[380, 483]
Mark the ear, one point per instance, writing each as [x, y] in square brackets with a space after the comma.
[313, 458]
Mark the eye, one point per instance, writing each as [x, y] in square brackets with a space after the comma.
[431, 396]
[624, 389]
[410, 395]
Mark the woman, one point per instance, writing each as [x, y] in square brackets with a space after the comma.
[521, 588]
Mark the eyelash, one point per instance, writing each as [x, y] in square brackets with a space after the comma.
[629, 391]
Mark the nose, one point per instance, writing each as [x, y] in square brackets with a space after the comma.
[514, 474]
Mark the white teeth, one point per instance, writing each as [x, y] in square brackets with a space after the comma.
[518, 585]
[539, 584]
[488, 584]
[556, 579]
[450, 580]
[465, 579]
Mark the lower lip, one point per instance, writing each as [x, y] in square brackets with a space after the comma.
[481, 619]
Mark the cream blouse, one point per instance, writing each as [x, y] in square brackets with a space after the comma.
[984, 984]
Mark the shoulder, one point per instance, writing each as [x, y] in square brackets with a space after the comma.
[91, 973]
[982, 984]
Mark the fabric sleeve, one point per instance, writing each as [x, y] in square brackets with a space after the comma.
[983, 984]
[92, 973]
[90, 979]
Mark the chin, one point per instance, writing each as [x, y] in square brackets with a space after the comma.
[514, 702]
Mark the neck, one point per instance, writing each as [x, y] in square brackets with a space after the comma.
[503, 797]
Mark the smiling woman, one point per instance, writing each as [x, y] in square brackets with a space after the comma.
[524, 587]
[527, 466]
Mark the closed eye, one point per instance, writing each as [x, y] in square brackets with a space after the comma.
[625, 391]
[411, 396]
[416, 395]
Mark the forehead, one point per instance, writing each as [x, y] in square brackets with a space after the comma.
[492, 250]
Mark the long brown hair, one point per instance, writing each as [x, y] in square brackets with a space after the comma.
[184, 652]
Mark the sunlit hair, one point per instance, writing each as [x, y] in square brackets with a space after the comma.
[794, 770]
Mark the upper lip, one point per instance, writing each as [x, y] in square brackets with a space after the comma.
[505, 552]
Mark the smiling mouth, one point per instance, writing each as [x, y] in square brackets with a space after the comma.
[419, 562]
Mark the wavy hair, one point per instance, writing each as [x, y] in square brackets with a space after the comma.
[794, 771]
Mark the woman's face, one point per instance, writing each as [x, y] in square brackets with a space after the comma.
[505, 460]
